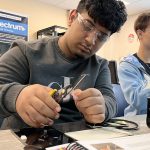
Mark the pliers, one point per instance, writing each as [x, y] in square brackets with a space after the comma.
[58, 95]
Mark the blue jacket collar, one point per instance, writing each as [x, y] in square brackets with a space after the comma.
[134, 61]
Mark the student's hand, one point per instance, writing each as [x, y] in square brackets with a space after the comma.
[36, 107]
[91, 104]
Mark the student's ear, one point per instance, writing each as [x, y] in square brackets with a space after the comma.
[139, 34]
[72, 16]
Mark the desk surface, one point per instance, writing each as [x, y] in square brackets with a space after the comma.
[79, 130]
[10, 141]
[55, 134]
[141, 121]
[80, 125]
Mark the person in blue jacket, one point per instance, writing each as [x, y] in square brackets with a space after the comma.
[134, 70]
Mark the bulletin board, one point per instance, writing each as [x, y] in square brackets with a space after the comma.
[12, 26]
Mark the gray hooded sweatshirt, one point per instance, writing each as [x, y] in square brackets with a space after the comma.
[42, 62]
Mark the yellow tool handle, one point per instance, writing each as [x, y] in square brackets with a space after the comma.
[52, 92]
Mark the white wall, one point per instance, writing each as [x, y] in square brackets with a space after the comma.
[42, 15]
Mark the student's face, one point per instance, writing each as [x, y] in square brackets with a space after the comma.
[144, 38]
[84, 37]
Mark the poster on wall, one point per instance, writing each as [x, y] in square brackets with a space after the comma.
[12, 26]
[131, 38]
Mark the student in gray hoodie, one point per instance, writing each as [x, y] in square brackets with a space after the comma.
[29, 71]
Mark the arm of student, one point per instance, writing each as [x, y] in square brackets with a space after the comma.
[136, 89]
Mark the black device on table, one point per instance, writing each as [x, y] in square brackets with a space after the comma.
[41, 138]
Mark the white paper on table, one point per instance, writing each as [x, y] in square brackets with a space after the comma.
[61, 147]
[97, 134]
[135, 142]
[10, 141]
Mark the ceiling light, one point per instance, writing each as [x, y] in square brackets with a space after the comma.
[125, 2]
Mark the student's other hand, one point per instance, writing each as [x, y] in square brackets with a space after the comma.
[36, 107]
[91, 104]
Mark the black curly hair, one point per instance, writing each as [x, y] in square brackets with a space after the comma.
[142, 21]
[110, 14]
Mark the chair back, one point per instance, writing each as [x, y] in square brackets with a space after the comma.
[121, 102]
[113, 71]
